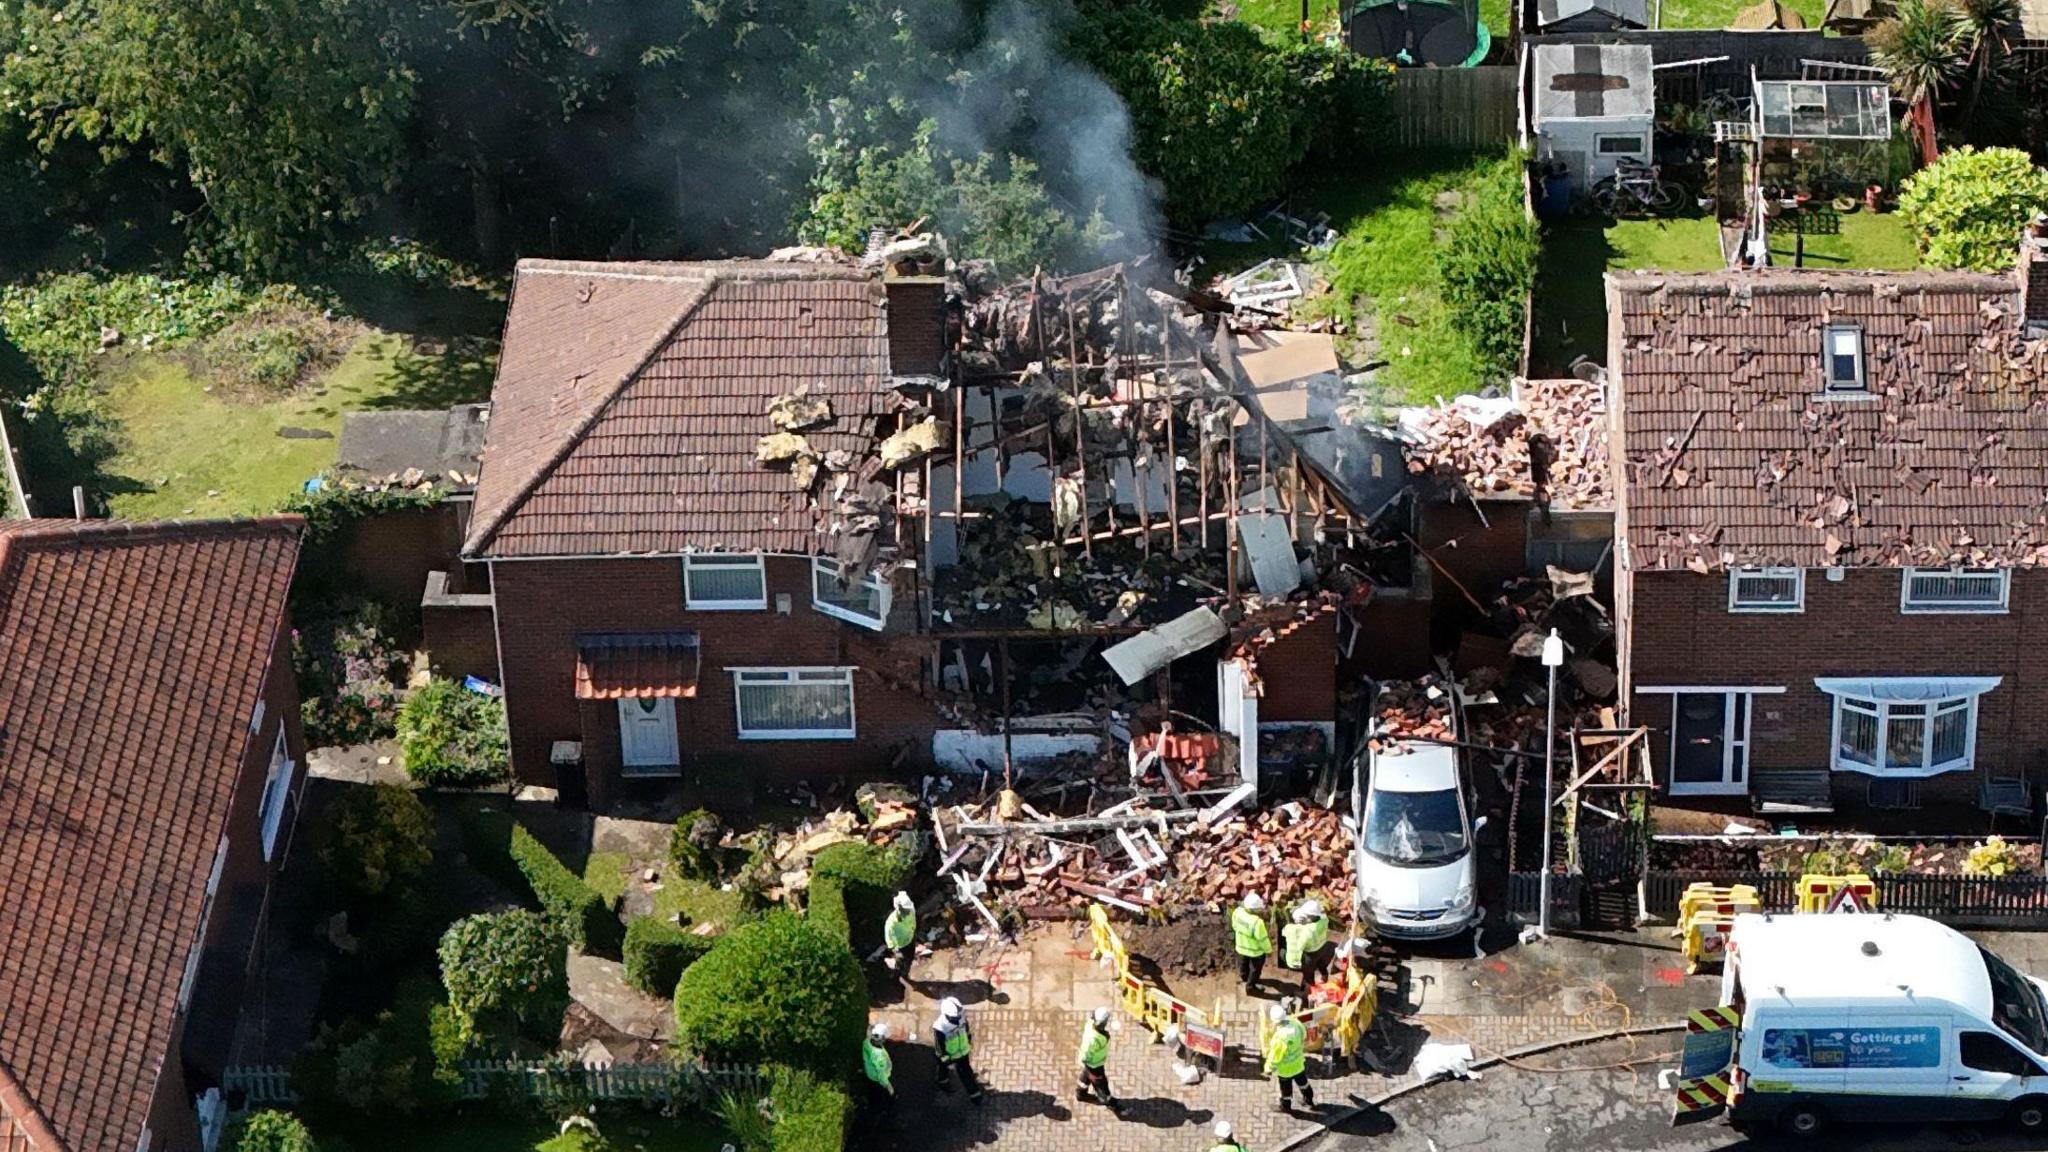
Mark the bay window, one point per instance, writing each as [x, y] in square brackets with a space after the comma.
[1896, 726]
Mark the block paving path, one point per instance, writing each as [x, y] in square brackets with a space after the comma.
[1027, 1003]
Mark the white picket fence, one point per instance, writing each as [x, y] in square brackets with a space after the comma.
[693, 1083]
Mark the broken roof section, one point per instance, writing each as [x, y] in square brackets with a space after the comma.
[1546, 442]
[1738, 455]
[1294, 380]
[631, 401]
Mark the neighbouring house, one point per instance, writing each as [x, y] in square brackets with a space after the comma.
[1833, 535]
[663, 601]
[1591, 15]
[149, 787]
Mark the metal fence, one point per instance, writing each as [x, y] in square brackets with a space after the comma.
[1525, 896]
[1469, 109]
[1963, 901]
[692, 1083]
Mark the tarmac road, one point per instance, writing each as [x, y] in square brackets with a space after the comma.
[1604, 1111]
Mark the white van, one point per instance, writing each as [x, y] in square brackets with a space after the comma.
[1847, 1017]
[1415, 867]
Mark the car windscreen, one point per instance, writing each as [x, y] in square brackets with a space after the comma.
[1415, 829]
[2016, 1004]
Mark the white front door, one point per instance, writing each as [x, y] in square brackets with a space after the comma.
[647, 736]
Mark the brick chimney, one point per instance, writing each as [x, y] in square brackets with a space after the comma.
[2034, 276]
[917, 322]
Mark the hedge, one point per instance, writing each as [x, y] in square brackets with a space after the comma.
[778, 989]
[810, 1114]
[585, 919]
[658, 952]
[852, 884]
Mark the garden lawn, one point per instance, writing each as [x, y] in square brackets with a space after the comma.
[484, 1132]
[1721, 13]
[1283, 17]
[186, 451]
[699, 902]
[1863, 240]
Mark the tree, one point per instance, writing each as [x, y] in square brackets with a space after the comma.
[283, 114]
[506, 974]
[272, 1131]
[777, 989]
[1968, 207]
[1986, 30]
[1922, 49]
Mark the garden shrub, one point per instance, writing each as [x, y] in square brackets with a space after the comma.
[506, 974]
[852, 884]
[387, 1063]
[375, 840]
[745, 1119]
[57, 320]
[693, 845]
[658, 952]
[1992, 857]
[575, 1138]
[776, 989]
[452, 737]
[487, 843]
[583, 917]
[350, 669]
[1487, 266]
[1968, 207]
[810, 1114]
[271, 1131]
[271, 350]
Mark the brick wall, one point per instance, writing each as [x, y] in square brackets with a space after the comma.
[1298, 674]
[457, 631]
[1482, 554]
[1683, 634]
[917, 323]
[543, 605]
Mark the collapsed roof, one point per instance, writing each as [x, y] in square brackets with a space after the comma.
[1737, 455]
[1547, 442]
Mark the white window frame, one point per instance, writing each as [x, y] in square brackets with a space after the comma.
[728, 561]
[256, 721]
[823, 569]
[220, 860]
[1735, 737]
[817, 675]
[1737, 604]
[1860, 386]
[1942, 697]
[1635, 147]
[277, 790]
[1911, 605]
[212, 1109]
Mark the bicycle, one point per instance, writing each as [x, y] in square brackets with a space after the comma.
[1634, 186]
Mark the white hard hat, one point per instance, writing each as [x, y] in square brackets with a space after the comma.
[1253, 901]
[1309, 910]
[1223, 1129]
[879, 1033]
[1276, 1013]
[1101, 1015]
[949, 1008]
[903, 901]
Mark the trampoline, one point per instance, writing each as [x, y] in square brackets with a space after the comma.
[1419, 32]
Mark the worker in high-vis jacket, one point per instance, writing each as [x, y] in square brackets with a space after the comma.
[874, 1060]
[1094, 1056]
[953, 1044]
[1249, 935]
[1287, 1057]
[1304, 942]
[899, 936]
[1226, 1139]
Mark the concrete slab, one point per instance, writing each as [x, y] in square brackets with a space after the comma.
[600, 985]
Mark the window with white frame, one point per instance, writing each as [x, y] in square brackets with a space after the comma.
[718, 582]
[1766, 589]
[794, 703]
[1842, 356]
[1954, 590]
[1620, 145]
[1905, 727]
[277, 787]
[220, 859]
[864, 601]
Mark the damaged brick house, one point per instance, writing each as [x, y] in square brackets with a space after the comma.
[806, 514]
[149, 791]
[1834, 534]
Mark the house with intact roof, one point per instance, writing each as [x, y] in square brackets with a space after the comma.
[662, 600]
[149, 787]
[1834, 534]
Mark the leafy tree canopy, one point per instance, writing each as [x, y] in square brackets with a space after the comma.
[1969, 206]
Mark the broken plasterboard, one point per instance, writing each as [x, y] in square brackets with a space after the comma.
[1154, 649]
[1274, 566]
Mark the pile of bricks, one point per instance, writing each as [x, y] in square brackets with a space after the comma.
[1552, 445]
[1415, 709]
[1284, 854]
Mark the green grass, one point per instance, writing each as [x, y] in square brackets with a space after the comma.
[491, 1132]
[606, 873]
[1721, 13]
[186, 451]
[1283, 17]
[1860, 240]
[699, 902]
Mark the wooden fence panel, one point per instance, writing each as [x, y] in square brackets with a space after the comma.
[1470, 109]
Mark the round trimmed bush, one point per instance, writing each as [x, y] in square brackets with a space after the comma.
[506, 974]
[777, 989]
[376, 839]
[273, 1132]
[1969, 206]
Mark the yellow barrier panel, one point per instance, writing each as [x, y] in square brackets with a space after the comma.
[1726, 901]
[1853, 892]
[1153, 1007]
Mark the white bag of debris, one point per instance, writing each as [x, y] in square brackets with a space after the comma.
[1435, 1060]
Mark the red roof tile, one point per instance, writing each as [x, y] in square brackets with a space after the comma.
[630, 398]
[134, 657]
[646, 665]
[1734, 458]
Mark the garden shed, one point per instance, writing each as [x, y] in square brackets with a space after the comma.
[1592, 107]
[1591, 15]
